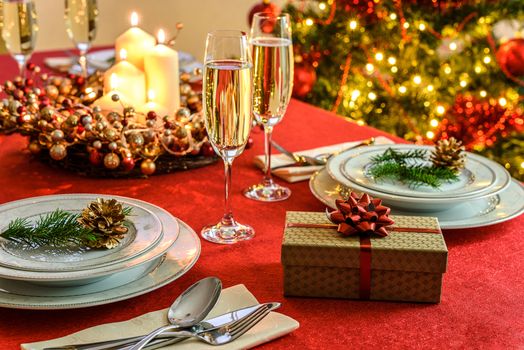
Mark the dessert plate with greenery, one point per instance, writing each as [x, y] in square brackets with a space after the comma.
[369, 167]
[74, 263]
[144, 232]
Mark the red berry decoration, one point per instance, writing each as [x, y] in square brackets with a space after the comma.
[510, 57]
[128, 163]
[265, 6]
[95, 157]
[207, 150]
[304, 79]
[30, 66]
[151, 115]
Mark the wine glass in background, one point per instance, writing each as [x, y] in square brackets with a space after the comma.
[19, 29]
[81, 20]
[272, 86]
[227, 110]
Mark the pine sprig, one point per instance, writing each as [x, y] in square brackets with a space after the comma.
[395, 165]
[58, 228]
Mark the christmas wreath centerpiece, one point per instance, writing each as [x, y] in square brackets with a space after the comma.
[67, 130]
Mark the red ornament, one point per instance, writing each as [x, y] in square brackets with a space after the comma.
[265, 6]
[250, 143]
[510, 57]
[95, 157]
[304, 78]
[207, 150]
[128, 163]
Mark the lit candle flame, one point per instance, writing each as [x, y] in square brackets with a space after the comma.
[123, 54]
[113, 81]
[161, 36]
[151, 95]
[134, 19]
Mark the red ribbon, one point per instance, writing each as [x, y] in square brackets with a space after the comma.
[362, 216]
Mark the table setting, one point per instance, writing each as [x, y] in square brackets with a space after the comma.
[120, 229]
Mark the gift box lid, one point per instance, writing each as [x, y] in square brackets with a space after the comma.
[400, 250]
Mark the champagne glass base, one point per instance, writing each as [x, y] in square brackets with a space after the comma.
[227, 233]
[271, 192]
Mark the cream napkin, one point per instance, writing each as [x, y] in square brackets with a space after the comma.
[301, 173]
[272, 326]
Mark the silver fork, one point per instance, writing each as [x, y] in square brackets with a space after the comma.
[215, 336]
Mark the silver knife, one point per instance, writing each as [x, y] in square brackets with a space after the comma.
[166, 337]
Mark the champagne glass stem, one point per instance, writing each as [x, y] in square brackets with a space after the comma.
[20, 60]
[268, 130]
[228, 211]
[82, 60]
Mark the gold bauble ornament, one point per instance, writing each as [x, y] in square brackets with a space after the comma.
[58, 151]
[34, 147]
[111, 161]
[147, 167]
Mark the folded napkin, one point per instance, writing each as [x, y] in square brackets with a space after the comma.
[272, 326]
[301, 173]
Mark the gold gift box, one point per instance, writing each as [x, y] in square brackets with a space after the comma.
[405, 266]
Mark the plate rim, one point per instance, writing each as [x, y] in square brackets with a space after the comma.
[84, 274]
[444, 226]
[421, 200]
[124, 296]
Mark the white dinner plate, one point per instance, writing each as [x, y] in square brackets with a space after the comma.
[144, 233]
[79, 277]
[477, 177]
[491, 210]
[399, 198]
[177, 261]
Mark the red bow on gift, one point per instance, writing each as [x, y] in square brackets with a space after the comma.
[363, 215]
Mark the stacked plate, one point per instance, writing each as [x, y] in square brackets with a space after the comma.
[484, 194]
[157, 249]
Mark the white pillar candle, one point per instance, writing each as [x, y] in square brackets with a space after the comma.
[161, 67]
[136, 42]
[106, 102]
[131, 81]
[152, 105]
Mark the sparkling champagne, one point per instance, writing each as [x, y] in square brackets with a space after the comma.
[227, 103]
[272, 78]
[80, 19]
[19, 27]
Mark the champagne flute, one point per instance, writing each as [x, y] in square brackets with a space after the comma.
[227, 110]
[272, 87]
[80, 19]
[19, 29]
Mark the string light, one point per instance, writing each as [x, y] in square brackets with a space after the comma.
[417, 79]
[393, 16]
[502, 101]
[402, 89]
[354, 95]
[452, 46]
[487, 59]
[422, 27]
[430, 134]
[463, 83]
[427, 103]
[392, 60]
[370, 67]
[406, 25]
[322, 6]
[309, 22]
[447, 69]
[483, 93]
[433, 123]
[478, 69]
[353, 25]
[372, 96]
[430, 88]
[394, 69]
[379, 56]
[441, 110]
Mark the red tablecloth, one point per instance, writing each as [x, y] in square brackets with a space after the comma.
[483, 294]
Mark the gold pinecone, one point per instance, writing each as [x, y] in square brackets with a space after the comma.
[106, 218]
[449, 153]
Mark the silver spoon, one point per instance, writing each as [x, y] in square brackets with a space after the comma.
[189, 308]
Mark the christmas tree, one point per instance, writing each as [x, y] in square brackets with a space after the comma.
[424, 70]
